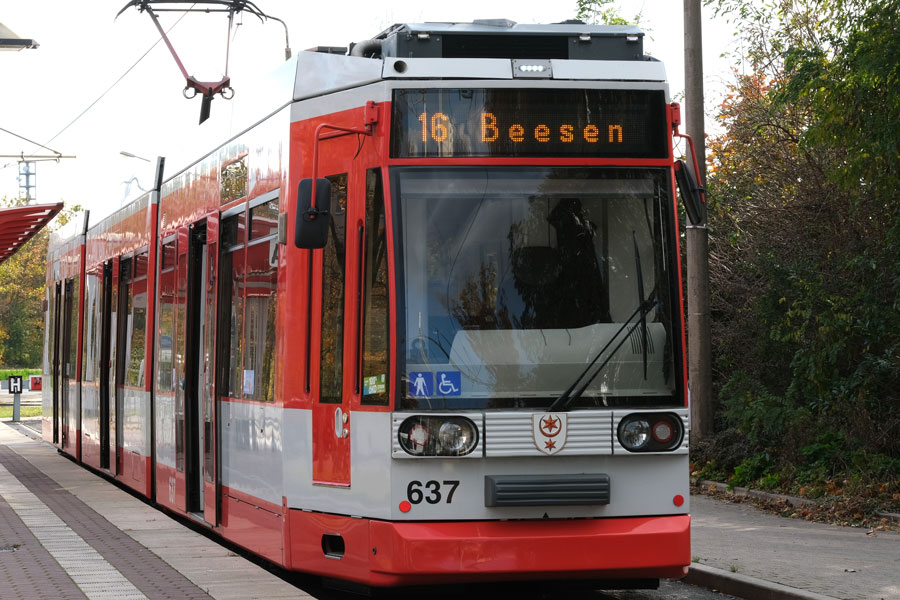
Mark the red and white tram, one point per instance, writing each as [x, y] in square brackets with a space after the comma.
[422, 322]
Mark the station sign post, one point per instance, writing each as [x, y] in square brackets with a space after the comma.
[15, 388]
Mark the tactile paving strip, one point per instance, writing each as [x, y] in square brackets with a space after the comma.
[144, 569]
[91, 572]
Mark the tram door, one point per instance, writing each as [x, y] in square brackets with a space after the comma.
[121, 302]
[57, 344]
[331, 415]
[107, 362]
[196, 281]
[68, 358]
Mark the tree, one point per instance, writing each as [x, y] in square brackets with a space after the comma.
[803, 261]
[602, 12]
[22, 283]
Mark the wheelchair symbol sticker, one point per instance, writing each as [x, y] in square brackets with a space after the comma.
[449, 383]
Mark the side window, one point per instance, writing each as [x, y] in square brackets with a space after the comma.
[231, 307]
[91, 351]
[164, 355]
[333, 270]
[125, 321]
[48, 328]
[136, 370]
[71, 338]
[260, 302]
[375, 365]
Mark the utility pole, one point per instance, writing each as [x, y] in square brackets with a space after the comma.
[699, 346]
[28, 180]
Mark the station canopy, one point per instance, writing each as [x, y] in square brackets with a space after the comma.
[19, 223]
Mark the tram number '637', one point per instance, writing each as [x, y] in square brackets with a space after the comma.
[432, 492]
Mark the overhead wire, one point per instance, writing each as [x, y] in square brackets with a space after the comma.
[22, 137]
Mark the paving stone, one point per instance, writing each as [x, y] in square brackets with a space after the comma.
[167, 560]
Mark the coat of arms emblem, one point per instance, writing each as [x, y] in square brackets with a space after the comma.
[549, 432]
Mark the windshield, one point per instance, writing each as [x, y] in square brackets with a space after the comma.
[513, 280]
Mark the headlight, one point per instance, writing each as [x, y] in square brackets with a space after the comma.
[424, 435]
[650, 432]
[635, 434]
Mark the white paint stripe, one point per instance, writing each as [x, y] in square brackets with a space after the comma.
[91, 572]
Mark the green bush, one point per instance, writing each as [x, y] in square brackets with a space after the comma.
[24, 373]
[751, 470]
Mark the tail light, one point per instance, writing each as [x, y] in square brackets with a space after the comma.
[423, 435]
[650, 432]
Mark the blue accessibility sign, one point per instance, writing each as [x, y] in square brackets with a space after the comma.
[449, 383]
[421, 384]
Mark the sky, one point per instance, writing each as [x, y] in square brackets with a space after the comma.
[98, 86]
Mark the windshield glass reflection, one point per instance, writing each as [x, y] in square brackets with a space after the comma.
[514, 280]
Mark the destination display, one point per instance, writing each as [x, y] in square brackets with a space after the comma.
[449, 123]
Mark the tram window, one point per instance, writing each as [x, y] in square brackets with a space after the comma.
[260, 303]
[231, 306]
[123, 315]
[333, 267]
[137, 323]
[236, 384]
[165, 376]
[233, 230]
[234, 175]
[264, 219]
[91, 352]
[259, 324]
[167, 259]
[72, 291]
[48, 320]
[375, 311]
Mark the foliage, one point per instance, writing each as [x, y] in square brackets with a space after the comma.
[602, 12]
[804, 226]
[22, 282]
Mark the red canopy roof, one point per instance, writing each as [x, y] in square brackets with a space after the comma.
[19, 223]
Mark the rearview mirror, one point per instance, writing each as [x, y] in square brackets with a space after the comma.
[691, 194]
[311, 229]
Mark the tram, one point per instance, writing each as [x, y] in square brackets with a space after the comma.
[420, 322]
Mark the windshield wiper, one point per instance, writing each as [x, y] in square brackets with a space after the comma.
[640, 291]
[569, 397]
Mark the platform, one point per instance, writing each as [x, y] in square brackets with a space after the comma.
[68, 533]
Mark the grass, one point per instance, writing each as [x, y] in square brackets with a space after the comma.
[5, 373]
[6, 412]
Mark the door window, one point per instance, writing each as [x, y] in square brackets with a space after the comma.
[333, 272]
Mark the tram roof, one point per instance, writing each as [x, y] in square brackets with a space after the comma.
[507, 27]
[502, 38]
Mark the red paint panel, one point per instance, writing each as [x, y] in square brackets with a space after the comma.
[331, 454]
[388, 553]
[122, 232]
[306, 552]
[252, 523]
[170, 488]
[639, 547]
[135, 472]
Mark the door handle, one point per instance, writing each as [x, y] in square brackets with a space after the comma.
[341, 419]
